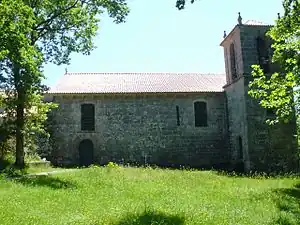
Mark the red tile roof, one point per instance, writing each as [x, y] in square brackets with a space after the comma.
[139, 83]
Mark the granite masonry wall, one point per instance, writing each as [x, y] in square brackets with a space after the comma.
[238, 126]
[270, 147]
[142, 128]
[235, 99]
[264, 147]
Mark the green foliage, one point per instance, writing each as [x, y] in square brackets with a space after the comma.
[35, 32]
[12, 172]
[7, 148]
[141, 196]
[279, 90]
[180, 4]
[274, 92]
[112, 165]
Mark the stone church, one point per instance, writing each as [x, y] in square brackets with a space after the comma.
[173, 119]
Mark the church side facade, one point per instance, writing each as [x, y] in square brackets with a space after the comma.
[162, 129]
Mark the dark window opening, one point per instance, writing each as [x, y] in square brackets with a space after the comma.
[241, 154]
[233, 62]
[263, 53]
[200, 109]
[88, 117]
[177, 114]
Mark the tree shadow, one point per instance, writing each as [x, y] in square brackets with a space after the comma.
[45, 181]
[151, 218]
[288, 203]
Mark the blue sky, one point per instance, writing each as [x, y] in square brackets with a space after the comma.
[159, 38]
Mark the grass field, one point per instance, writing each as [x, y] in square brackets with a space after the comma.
[133, 196]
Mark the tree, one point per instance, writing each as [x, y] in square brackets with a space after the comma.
[180, 4]
[35, 32]
[278, 91]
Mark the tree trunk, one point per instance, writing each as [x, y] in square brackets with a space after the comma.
[20, 163]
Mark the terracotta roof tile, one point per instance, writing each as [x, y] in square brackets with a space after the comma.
[139, 83]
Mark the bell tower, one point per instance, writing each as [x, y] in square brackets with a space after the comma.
[254, 144]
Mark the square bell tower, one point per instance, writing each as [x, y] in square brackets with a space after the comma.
[254, 144]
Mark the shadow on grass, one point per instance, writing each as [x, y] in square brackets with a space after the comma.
[151, 218]
[45, 181]
[288, 203]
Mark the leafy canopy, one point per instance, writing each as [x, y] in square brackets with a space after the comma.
[35, 32]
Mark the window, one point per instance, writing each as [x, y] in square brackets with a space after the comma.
[88, 117]
[263, 50]
[232, 62]
[241, 154]
[200, 110]
[227, 66]
[177, 114]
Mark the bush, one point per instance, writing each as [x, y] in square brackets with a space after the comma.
[7, 148]
[112, 165]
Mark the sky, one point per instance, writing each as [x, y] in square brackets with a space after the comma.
[157, 37]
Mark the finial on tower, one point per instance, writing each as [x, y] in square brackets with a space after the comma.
[278, 15]
[240, 19]
[224, 35]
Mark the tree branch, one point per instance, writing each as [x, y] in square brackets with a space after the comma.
[53, 17]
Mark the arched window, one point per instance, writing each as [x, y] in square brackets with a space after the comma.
[232, 62]
[200, 110]
[88, 117]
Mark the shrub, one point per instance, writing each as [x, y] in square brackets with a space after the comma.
[112, 165]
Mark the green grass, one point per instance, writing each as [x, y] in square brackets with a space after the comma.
[39, 169]
[138, 196]
[9, 169]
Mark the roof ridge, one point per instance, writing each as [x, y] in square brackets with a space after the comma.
[142, 73]
[253, 22]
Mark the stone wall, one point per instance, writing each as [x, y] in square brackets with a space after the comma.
[271, 148]
[248, 35]
[264, 147]
[238, 126]
[139, 128]
[235, 99]
[233, 37]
